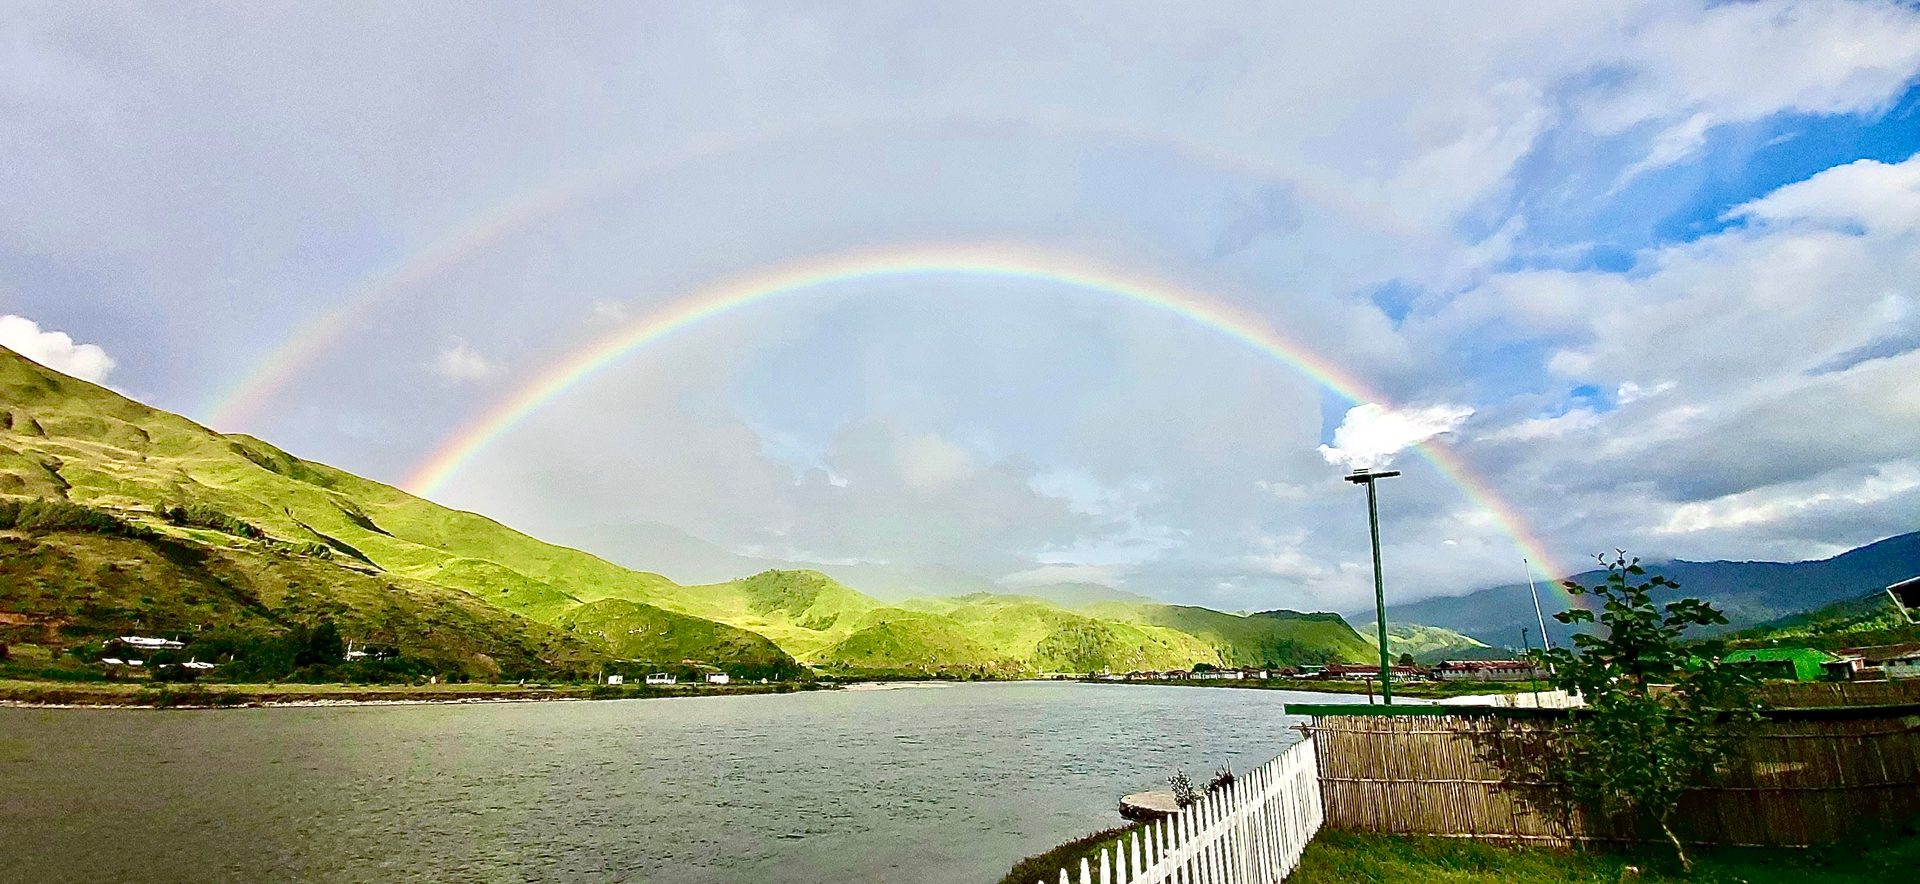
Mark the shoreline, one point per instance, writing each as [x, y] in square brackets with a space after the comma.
[111, 695]
[1420, 690]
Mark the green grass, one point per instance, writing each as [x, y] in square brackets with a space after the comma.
[1347, 857]
[1045, 867]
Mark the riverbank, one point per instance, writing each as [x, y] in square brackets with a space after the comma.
[1339, 857]
[204, 696]
[1431, 690]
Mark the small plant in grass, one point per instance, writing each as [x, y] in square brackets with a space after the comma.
[1662, 712]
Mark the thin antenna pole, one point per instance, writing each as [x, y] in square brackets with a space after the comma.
[1538, 613]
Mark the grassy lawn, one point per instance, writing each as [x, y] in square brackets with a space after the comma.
[1346, 857]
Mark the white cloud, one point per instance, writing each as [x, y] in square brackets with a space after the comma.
[1106, 575]
[1559, 426]
[1879, 196]
[459, 363]
[1630, 392]
[928, 462]
[1677, 143]
[55, 350]
[1370, 435]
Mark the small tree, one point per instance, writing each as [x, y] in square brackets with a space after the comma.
[1405, 660]
[1184, 793]
[1661, 713]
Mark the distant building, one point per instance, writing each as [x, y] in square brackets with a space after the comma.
[718, 678]
[616, 679]
[1486, 670]
[1895, 661]
[662, 678]
[1365, 672]
[151, 644]
[1788, 664]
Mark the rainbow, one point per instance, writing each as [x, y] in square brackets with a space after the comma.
[237, 404]
[761, 286]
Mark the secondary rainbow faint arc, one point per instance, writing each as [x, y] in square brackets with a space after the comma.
[758, 287]
[255, 388]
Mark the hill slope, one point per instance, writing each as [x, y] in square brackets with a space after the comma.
[289, 540]
[1265, 639]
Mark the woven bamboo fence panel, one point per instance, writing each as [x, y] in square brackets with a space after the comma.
[1807, 695]
[1793, 781]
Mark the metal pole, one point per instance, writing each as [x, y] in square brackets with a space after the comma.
[1379, 596]
[1546, 641]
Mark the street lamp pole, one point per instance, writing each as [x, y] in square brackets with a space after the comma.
[1367, 477]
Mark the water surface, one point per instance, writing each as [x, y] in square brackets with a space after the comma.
[945, 783]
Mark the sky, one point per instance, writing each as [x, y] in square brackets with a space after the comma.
[1645, 271]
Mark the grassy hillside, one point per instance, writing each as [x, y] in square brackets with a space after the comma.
[72, 586]
[205, 531]
[1271, 638]
[644, 633]
[1870, 619]
[1427, 644]
[246, 535]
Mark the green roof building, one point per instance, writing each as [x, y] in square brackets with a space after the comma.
[1794, 664]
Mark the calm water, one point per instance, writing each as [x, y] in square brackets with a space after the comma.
[952, 782]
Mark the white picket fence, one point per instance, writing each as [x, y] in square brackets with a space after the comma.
[1251, 833]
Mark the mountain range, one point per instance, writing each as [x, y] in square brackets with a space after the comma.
[1749, 593]
[129, 518]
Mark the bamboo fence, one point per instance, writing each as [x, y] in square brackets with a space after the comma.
[1801, 778]
[1806, 695]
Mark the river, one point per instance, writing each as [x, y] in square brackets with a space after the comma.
[937, 783]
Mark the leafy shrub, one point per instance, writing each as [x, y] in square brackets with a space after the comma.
[195, 515]
[1662, 711]
[44, 515]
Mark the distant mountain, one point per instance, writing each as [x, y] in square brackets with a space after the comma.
[1749, 592]
[118, 517]
[1078, 595]
[688, 559]
[1429, 644]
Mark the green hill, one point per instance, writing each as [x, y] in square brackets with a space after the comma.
[1870, 619]
[244, 535]
[140, 520]
[1429, 644]
[1271, 638]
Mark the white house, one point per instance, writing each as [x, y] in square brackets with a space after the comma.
[145, 643]
[616, 679]
[717, 678]
[662, 678]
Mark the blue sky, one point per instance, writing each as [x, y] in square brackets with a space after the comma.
[1646, 268]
